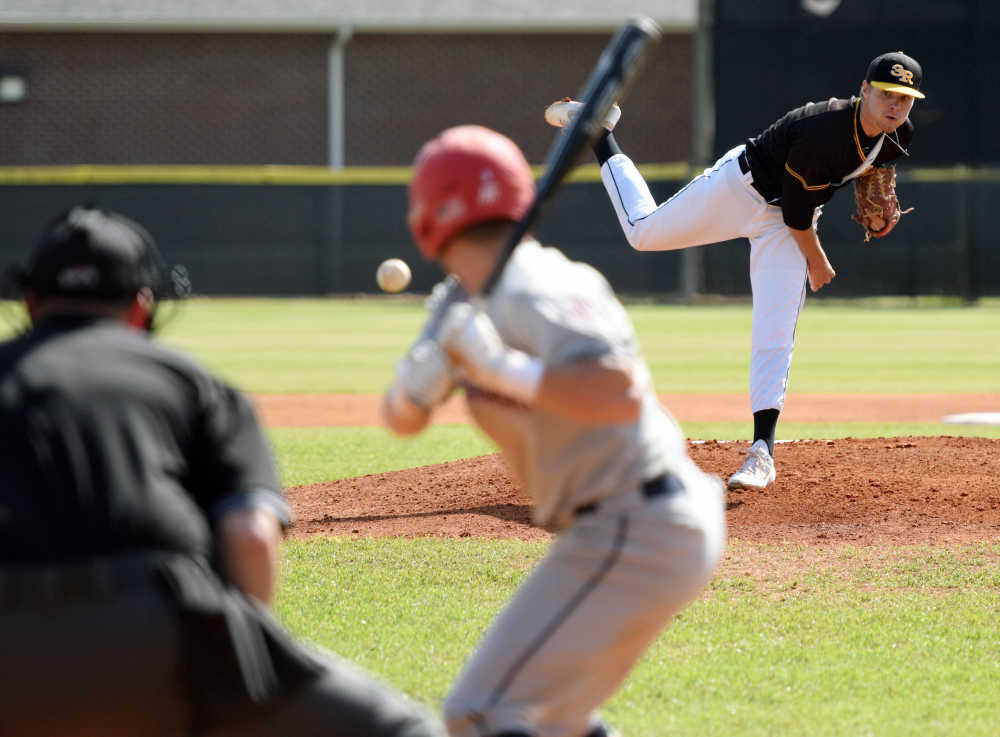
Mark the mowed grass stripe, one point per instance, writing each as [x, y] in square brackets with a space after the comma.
[351, 345]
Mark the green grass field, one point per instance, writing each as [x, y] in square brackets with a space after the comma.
[905, 644]
[350, 345]
[895, 642]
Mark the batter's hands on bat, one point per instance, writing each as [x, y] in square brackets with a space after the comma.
[424, 379]
[425, 375]
[473, 343]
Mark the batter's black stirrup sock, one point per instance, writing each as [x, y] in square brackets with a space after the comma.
[764, 423]
[605, 147]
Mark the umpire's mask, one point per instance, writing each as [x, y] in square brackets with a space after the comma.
[93, 254]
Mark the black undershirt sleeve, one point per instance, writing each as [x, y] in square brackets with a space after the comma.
[605, 147]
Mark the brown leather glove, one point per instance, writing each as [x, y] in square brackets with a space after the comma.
[875, 197]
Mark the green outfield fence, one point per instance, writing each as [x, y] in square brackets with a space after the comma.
[264, 230]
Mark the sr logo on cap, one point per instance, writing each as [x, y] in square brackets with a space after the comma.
[896, 72]
[904, 74]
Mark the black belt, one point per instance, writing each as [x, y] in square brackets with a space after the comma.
[663, 485]
[63, 582]
[744, 163]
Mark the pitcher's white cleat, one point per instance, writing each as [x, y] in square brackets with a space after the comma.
[561, 112]
[757, 471]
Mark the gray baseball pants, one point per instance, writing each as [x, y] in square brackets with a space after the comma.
[585, 615]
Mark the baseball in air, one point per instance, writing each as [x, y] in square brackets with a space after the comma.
[393, 275]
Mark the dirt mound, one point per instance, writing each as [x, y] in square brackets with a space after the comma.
[899, 491]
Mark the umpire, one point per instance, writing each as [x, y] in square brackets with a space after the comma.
[140, 518]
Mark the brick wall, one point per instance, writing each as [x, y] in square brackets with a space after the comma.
[218, 98]
[165, 99]
[405, 88]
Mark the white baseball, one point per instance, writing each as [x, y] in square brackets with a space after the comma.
[393, 275]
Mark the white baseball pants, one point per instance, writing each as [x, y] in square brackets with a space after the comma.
[585, 615]
[719, 205]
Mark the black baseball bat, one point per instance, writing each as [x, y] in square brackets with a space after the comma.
[616, 69]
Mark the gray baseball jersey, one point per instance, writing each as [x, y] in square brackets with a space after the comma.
[563, 311]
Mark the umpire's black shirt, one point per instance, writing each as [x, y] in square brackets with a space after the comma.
[112, 442]
[801, 159]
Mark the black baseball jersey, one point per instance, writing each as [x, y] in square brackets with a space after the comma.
[802, 159]
[111, 442]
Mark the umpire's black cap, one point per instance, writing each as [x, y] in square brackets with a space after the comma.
[90, 253]
[896, 72]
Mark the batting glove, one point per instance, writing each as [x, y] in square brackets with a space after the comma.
[425, 375]
[472, 340]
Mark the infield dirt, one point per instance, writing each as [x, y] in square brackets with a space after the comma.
[857, 492]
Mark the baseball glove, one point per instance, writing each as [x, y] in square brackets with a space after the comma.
[875, 197]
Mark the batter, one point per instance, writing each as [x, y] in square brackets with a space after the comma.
[553, 374]
[771, 190]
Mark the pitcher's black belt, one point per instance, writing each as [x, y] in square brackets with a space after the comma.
[744, 163]
[663, 485]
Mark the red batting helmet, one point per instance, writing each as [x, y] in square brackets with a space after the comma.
[466, 175]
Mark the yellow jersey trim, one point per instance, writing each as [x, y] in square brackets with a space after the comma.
[802, 181]
[857, 121]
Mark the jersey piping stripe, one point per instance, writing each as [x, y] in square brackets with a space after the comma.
[663, 204]
[681, 191]
[621, 200]
[588, 586]
[795, 327]
[802, 180]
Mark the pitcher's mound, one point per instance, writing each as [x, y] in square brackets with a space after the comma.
[926, 490]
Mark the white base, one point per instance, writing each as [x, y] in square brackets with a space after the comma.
[973, 418]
